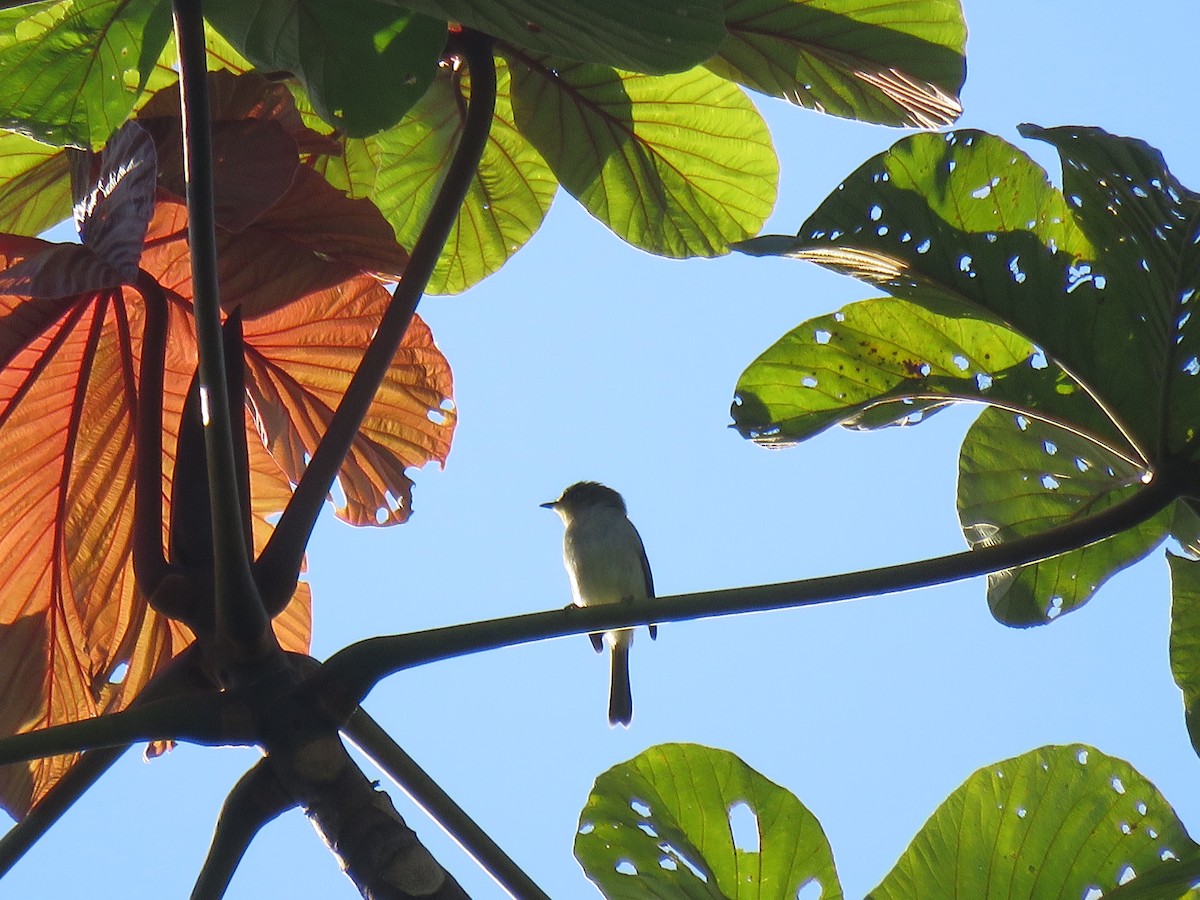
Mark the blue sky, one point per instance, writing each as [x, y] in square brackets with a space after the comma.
[585, 358]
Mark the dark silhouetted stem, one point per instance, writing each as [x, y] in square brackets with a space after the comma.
[149, 564]
[255, 800]
[371, 739]
[240, 616]
[279, 563]
[70, 787]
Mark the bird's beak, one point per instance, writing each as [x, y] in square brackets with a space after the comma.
[551, 505]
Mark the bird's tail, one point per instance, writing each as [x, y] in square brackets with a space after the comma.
[620, 697]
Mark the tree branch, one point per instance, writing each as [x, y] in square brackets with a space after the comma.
[240, 616]
[70, 787]
[255, 800]
[149, 565]
[279, 563]
[199, 719]
[371, 739]
[350, 673]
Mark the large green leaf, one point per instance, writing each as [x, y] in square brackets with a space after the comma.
[629, 34]
[878, 362]
[1100, 279]
[1020, 476]
[681, 820]
[363, 63]
[70, 72]
[506, 203]
[1056, 823]
[679, 165]
[897, 63]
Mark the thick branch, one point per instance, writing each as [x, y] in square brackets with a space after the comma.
[203, 719]
[149, 564]
[240, 616]
[279, 563]
[350, 674]
[255, 800]
[369, 737]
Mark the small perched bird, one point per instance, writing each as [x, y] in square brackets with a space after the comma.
[606, 562]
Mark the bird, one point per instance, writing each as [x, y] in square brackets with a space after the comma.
[606, 562]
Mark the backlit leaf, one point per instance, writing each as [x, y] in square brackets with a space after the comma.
[342, 53]
[681, 820]
[642, 37]
[299, 362]
[1019, 476]
[896, 63]
[1185, 638]
[35, 191]
[1057, 822]
[70, 72]
[679, 165]
[505, 204]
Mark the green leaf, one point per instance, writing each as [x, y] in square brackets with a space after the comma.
[1100, 279]
[644, 37]
[1185, 638]
[679, 165]
[1058, 822]
[879, 362]
[1020, 476]
[668, 823]
[353, 171]
[70, 72]
[506, 203]
[1145, 226]
[363, 63]
[35, 191]
[899, 63]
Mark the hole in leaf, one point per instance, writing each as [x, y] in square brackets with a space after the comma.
[961, 362]
[640, 808]
[1081, 755]
[647, 829]
[923, 247]
[821, 336]
[743, 825]
[811, 890]
[1091, 893]
[1050, 447]
[876, 212]
[1126, 875]
[1022, 812]
[808, 381]
[983, 381]
[625, 867]
[667, 863]
[1117, 785]
[119, 673]
[586, 827]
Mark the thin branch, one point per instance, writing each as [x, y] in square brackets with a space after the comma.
[203, 719]
[255, 800]
[240, 616]
[350, 674]
[280, 561]
[181, 676]
[86, 771]
[366, 734]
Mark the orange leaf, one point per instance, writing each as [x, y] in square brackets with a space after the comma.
[299, 361]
